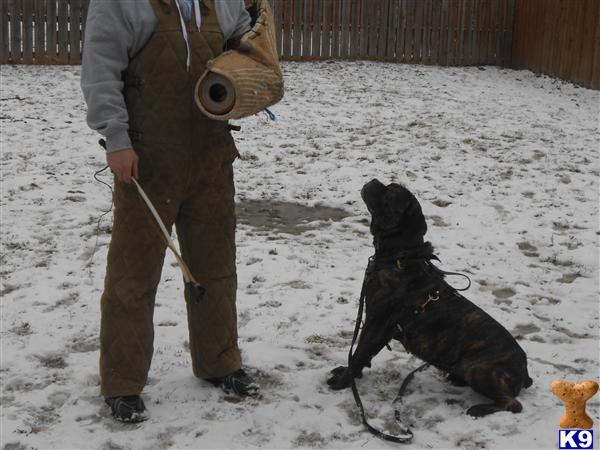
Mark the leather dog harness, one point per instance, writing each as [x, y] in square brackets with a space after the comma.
[399, 263]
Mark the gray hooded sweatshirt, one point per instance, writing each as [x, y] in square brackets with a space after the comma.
[116, 30]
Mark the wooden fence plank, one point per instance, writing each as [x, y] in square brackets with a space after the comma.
[317, 28]
[507, 36]
[418, 27]
[552, 13]
[392, 30]
[27, 31]
[473, 28]
[426, 25]
[374, 19]
[563, 41]
[450, 32]
[63, 31]
[306, 29]
[287, 29]
[583, 71]
[382, 29]
[354, 30]
[364, 11]
[74, 30]
[276, 5]
[435, 31]
[444, 31]
[473, 31]
[40, 29]
[335, 28]
[576, 43]
[570, 50]
[51, 32]
[497, 34]
[297, 30]
[504, 49]
[595, 77]
[409, 43]
[326, 32]
[401, 25]
[460, 42]
[85, 4]
[483, 32]
[4, 35]
[345, 20]
[14, 9]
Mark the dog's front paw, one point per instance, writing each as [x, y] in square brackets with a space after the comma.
[341, 378]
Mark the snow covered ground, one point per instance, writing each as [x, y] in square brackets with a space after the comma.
[505, 164]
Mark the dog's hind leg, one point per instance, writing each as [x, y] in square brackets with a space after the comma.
[495, 386]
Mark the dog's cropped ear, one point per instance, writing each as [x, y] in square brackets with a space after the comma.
[400, 203]
[403, 209]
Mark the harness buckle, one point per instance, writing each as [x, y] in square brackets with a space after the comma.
[430, 298]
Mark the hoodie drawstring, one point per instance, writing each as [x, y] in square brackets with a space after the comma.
[184, 32]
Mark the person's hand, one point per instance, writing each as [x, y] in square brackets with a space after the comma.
[124, 164]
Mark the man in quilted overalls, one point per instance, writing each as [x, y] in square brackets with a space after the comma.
[140, 64]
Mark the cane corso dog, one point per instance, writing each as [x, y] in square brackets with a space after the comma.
[407, 299]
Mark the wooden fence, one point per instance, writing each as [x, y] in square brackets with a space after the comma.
[446, 32]
[559, 38]
[42, 31]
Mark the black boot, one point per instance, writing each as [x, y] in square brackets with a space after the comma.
[128, 408]
[238, 382]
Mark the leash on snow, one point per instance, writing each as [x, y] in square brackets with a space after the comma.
[195, 290]
[407, 434]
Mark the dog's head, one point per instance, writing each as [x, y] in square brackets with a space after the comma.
[394, 210]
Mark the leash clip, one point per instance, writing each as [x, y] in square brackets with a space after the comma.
[430, 298]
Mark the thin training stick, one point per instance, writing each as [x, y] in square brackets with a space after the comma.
[186, 271]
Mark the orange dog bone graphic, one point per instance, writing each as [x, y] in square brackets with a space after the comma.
[574, 396]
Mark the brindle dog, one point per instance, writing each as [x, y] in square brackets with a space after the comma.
[408, 300]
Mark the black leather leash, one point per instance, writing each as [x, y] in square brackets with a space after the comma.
[380, 434]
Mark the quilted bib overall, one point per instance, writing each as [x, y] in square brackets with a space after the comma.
[185, 168]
